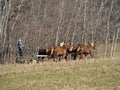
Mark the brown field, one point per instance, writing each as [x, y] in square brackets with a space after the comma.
[94, 74]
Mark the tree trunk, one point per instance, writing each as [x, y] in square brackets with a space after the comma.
[108, 31]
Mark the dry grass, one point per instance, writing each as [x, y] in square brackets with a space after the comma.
[93, 74]
[100, 50]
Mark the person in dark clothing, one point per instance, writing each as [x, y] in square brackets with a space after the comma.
[20, 47]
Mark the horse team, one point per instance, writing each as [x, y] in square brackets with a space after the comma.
[66, 50]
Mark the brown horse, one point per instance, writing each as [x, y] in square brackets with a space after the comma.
[67, 45]
[59, 52]
[86, 49]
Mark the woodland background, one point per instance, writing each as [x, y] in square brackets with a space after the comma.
[46, 23]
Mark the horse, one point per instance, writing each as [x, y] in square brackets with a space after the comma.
[86, 49]
[59, 52]
[73, 52]
[67, 45]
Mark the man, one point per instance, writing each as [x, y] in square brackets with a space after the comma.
[20, 47]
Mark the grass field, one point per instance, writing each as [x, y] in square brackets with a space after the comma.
[93, 74]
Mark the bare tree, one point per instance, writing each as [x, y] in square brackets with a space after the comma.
[115, 32]
[5, 27]
[116, 38]
[108, 30]
[60, 20]
[76, 20]
[45, 23]
[84, 23]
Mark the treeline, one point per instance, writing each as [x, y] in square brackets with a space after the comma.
[46, 23]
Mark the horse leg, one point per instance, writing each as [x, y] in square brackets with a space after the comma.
[74, 56]
[86, 56]
[64, 56]
[59, 58]
[81, 55]
[91, 54]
